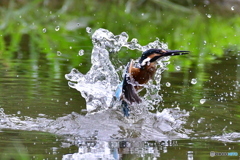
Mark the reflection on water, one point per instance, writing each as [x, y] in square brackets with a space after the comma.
[166, 149]
[120, 149]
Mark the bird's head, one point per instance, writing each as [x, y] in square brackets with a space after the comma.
[153, 55]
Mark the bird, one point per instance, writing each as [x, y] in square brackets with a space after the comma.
[139, 72]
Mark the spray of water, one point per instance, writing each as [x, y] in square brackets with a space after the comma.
[98, 85]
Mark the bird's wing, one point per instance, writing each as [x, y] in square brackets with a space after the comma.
[128, 89]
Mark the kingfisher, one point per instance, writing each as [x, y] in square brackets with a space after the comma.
[139, 72]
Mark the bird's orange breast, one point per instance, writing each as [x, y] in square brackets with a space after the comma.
[144, 74]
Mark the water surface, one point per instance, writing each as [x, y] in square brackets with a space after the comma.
[198, 112]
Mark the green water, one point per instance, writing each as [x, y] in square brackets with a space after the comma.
[211, 123]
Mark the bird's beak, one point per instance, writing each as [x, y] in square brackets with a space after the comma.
[164, 53]
[174, 52]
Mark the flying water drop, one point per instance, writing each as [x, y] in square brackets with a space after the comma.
[59, 53]
[209, 15]
[57, 28]
[44, 30]
[88, 30]
[81, 52]
[204, 42]
[202, 101]
[194, 81]
[168, 84]
[177, 68]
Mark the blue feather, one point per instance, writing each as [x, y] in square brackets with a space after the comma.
[118, 92]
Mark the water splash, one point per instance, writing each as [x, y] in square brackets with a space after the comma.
[100, 82]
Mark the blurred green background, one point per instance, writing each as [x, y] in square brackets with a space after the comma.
[56, 30]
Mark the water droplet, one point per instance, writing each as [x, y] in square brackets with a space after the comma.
[44, 30]
[1, 110]
[41, 115]
[194, 81]
[168, 84]
[70, 47]
[204, 42]
[18, 112]
[177, 68]
[57, 28]
[202, 101]
[81, 52]
[89, 30]
[59, 53]
[66, 102]
[232, 8]
[201, 120]
[209, 15]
